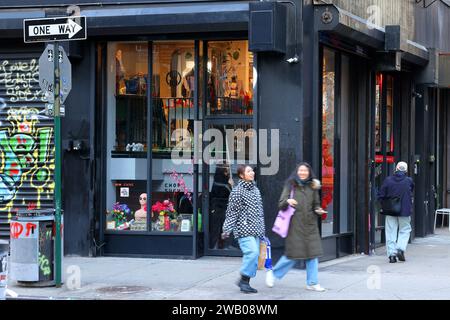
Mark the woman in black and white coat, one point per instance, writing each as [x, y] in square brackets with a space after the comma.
[245, 219]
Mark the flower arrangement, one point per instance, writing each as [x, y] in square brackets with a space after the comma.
[179, 178]
[120, 213]
[164, 212]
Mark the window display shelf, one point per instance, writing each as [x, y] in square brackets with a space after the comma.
[129, 154]
[156, 154]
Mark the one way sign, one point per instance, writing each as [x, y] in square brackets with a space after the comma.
[54, 29]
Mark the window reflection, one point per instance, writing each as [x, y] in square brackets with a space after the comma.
[328, 127]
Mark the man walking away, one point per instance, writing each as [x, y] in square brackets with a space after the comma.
[398, 187]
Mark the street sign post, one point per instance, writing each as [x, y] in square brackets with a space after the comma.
[58, 184]
[54, 29]
[46, 73]
[55, 80]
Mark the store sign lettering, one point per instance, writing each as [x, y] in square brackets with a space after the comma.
[172, 187]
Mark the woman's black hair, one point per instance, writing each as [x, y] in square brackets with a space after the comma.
[291, 181]
[221, 175]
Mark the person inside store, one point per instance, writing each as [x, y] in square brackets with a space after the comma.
[219, 195]
[244, 218]
[399, 189]
[303, 242]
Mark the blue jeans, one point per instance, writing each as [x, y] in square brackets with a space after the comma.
[250, 250]
[312, 269]
[397, 231]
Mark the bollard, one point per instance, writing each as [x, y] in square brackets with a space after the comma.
[4, 253]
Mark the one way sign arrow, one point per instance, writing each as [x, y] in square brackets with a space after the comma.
[55, 29]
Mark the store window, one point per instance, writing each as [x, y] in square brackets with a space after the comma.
[173, 127]
[230, 78]
[328, 138]
[162, 200]
[172, 89]
[126, 186]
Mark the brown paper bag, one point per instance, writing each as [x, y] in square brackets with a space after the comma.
[262, 255]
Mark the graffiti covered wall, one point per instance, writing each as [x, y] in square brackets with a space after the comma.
[26, 141]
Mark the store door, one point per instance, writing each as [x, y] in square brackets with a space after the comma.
[226, 144]
[385, 116]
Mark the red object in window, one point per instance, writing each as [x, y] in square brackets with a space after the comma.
[166, 223]
[392, 141]
[380, 81]
[389, 159]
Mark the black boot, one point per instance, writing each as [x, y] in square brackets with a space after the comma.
[392, 259]
[244, 285]
[401, 255]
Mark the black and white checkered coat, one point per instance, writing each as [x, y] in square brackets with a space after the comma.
[245, 214]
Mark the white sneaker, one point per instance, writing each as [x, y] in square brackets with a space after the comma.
[316, 287]
[270, 279]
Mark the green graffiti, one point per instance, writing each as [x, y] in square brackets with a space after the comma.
[44, 265]
[23, 145]
[41, 175]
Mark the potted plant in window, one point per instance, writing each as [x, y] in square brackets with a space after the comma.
[121, 214]
[165, 213]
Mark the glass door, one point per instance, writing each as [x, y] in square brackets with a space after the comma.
[228, 135]
[385, 151]
[227, 144]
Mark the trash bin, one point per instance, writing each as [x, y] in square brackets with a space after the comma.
[33, 248]
[4, 252]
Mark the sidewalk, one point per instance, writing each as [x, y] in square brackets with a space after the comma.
[425, 275]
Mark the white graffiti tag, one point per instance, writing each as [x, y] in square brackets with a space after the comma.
[21, 80]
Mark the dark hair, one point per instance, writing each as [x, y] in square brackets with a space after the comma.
[292, 178]
[220, 176]
[241, 169]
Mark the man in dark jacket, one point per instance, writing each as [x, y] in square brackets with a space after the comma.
[398, 226]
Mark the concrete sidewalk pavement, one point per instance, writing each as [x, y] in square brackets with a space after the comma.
[425, 275]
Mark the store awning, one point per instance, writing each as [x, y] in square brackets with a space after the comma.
[168, 18]
[331, 18]
[112, 20]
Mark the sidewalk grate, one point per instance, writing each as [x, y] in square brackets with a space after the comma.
[123, 289]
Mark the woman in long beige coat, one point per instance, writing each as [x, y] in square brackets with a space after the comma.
[303, 241]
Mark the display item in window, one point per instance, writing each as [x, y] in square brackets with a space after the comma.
[135, 147]
[188, 84]
[120, 73]
[141, 214]
[136, 84]
[165, 216]
[122, 216]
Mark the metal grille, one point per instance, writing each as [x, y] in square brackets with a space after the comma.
[26, 139]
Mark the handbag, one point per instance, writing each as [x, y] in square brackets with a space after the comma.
[283, 219]
[391, 206]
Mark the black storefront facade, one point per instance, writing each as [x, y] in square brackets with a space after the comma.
[346, 107]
